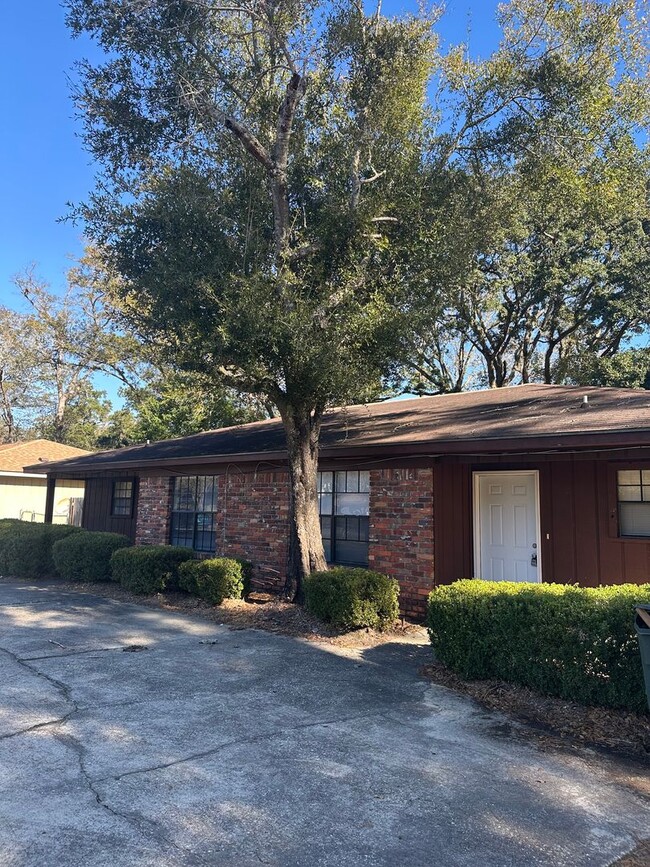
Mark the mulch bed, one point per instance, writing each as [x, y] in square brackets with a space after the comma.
[617, 730]
[640, 857]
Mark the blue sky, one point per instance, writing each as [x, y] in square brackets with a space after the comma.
[42, 162]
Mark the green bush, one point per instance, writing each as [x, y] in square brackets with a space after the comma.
[213, 580]
[26, 548]
[572, 642]
[352, 598]
[148, 568]
[86, 556]
[246, 575]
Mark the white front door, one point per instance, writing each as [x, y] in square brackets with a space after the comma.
[506, 527]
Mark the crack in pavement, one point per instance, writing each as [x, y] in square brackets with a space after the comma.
[50, 722]
[234, 743]
[147, 827]
[59, 685]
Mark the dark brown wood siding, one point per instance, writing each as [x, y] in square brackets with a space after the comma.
[578, 515]
[98, 499]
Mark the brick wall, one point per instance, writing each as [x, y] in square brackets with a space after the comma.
[253, 522]
[401, 532]
[153, 511]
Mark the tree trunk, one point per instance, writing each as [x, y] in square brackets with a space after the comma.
[306, 554]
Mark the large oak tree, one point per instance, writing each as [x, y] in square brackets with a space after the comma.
[259, 190]
[550, 201]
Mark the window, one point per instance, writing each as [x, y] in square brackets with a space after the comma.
[194, 505]
[122, 502]
[343, 503]
[634, 502]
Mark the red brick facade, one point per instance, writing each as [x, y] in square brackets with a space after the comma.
[252, 522]
[153, 510]
[401, 532]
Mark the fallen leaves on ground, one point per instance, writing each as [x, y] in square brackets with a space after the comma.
[270, 614]
[618, 730]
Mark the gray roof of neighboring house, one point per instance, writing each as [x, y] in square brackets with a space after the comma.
[530, 416]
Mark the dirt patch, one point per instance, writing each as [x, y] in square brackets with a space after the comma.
[273, 615]
[616, 730]
[639, 858]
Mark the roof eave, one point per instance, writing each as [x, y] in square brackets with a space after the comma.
[543, 443]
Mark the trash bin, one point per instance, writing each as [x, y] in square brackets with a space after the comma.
[642, 626]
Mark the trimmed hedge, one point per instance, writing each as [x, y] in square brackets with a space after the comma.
[148, 568]
[26, 548]
[213, 580]
[86, 556]
[572, 642]
[352, 598]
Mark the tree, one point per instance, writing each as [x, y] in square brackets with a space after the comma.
[173, 403]
[85, 414]
[50, 353]
[16, 385]
[550, 201]
[259, 190]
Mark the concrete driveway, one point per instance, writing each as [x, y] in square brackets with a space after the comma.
[221, 747]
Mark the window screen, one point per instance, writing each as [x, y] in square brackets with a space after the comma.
[634, 502]
[344, 499]
[194, 504]
[122, 503]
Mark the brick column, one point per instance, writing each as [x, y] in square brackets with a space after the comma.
[253, 523]
[154, 510]
[401, 533]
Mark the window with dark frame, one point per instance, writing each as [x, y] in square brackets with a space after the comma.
[343, 504]
[194, 504]
[633, 488]
[122, 501]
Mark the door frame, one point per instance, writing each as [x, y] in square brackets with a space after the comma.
[476, 509]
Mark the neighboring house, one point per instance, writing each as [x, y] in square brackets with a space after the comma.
[529, 483]
[22, 494]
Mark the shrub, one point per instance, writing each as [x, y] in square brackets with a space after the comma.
[148, 568]
[352, 598]
[246, 575]
[572, 642]
[213, 580]
[86, 556]
[26, 548]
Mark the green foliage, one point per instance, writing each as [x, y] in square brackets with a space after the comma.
[213, 580]
[627, 369]
[57, 346]
[547, 253]
[281, 227]
[246, 575]
[86, 556]
[571, 642]
[26, 548]
[148, 568]
[172, 403]
[287, 207]
[352, 598]
[84, 416]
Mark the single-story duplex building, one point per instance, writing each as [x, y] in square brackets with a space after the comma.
[528, 483]
[22, 494]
